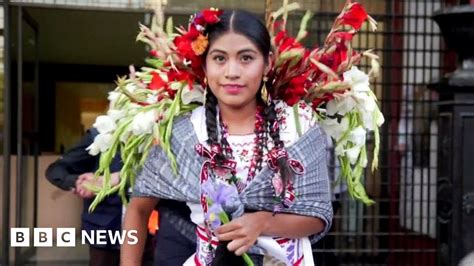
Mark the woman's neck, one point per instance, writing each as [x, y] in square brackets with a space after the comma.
[239, 121]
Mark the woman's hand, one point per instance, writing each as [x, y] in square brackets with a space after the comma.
[242, 232]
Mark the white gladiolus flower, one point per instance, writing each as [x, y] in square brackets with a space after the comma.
[116, 114]
[365, 102]
[104, 124]
[194, 94]
[335, 129]
[380, 119]
[353, 154]
[341, 105]
[143, 122]
[357, 136]
[339, 149]
[102, 143]
[359, 98]
[152, 98]
[358, 80]
[131, 87]
[368, 119]
[113, 97]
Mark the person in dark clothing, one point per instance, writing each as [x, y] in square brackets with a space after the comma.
[176, 239]
[72, 172]
[75, 169]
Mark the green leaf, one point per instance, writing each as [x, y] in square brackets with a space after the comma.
[155, 62]
[169, 26]
[304, 23]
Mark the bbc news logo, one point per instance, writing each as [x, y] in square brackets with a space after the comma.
[66, 237]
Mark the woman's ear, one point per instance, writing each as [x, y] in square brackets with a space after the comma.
[269, 64]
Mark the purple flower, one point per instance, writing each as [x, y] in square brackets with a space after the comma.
[227, 196]
[213, 216]
[220, 193]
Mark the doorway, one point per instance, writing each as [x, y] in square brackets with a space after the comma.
[60, 65]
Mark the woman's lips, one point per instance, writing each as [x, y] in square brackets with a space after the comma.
[233, 88]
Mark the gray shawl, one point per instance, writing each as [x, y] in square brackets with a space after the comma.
[156, 178]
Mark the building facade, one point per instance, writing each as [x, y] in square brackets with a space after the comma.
[61, 58]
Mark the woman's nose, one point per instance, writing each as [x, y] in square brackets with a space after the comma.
[232, 70]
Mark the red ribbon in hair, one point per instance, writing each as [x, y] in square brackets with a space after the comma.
[280, 153]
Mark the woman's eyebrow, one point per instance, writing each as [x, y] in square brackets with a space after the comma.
[245, 50]
[217, 51]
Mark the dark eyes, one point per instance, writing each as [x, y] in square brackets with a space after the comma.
[243, 58]
[246, 58]
[219, 58]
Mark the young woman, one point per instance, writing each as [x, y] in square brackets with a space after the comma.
[241, 139]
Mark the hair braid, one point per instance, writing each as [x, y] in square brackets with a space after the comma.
[274, 132]
[211, 123]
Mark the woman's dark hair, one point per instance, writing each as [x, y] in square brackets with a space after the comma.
[250, 26]
[245, 23]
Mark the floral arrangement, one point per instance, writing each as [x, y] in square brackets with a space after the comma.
[326, 77]
[144, 104]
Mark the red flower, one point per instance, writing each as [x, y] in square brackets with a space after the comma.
[284, 42]
[170, 92]
[320, 100]
[295, 90]
[355, 16]
[192, 33]
[334, 59]
[211, 16]
[280, 36]
[185, 49]
[181, 76]
[183, 46]
[154, 53]
[341, 36]
[277, 24]
[156, 82]
[207, 16]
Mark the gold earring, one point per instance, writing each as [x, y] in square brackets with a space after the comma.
[264, 91]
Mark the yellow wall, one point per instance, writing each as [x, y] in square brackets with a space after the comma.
[77, 105]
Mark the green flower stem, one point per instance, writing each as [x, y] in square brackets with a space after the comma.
[173, 111]
[375, 160]
[148, 144]
[297, 120]
[247, 259]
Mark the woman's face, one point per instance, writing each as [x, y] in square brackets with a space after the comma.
[234, 70]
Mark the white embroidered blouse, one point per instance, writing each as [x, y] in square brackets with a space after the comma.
[278, 250]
